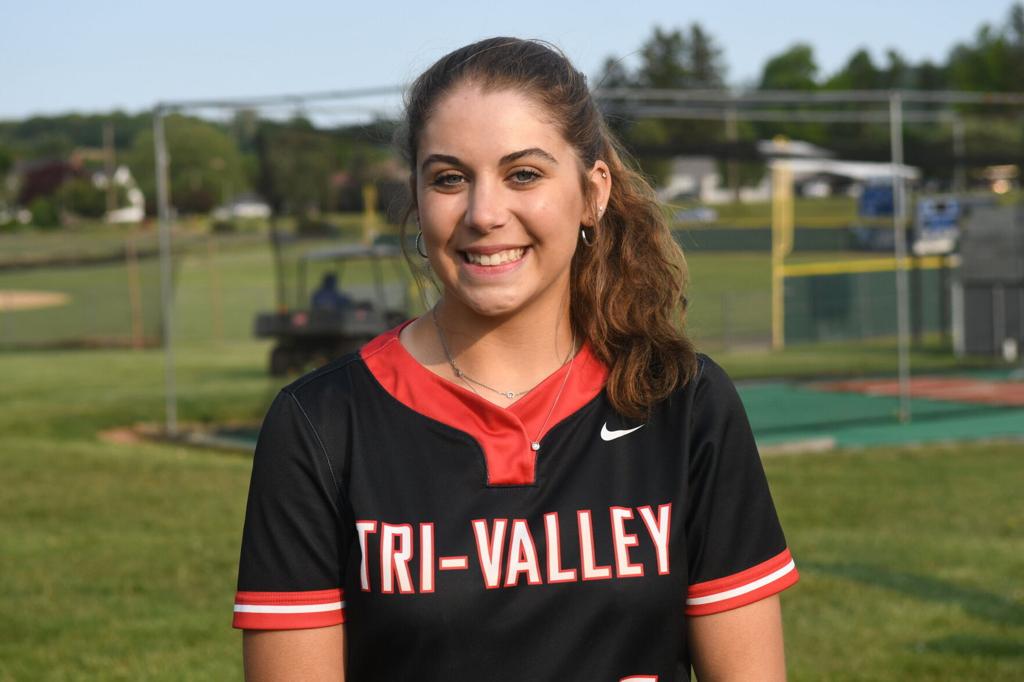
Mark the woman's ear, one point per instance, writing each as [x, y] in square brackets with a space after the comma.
[600, 179]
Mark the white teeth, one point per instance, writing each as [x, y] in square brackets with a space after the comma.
[495, 258]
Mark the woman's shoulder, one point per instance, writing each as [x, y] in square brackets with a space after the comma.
[708, 377]
[709, 394]
[330, 387]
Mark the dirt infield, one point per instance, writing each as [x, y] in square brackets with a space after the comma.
[961, 390]
[11, 300]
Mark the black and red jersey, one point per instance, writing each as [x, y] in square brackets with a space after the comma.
[419, 514]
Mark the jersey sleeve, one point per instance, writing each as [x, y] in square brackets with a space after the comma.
[736, 550]
[290, 570]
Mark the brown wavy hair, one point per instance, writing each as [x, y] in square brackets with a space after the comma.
[626, 291]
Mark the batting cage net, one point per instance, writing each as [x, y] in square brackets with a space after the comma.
[820, 229]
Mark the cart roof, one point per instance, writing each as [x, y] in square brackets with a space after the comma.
[346, 251]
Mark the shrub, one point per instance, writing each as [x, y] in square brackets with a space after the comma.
[81, 197]
[45, 212]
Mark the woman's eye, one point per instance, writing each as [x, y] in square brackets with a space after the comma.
[448, 180]
[524, 176]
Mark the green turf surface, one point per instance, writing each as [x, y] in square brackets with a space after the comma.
[787, 412]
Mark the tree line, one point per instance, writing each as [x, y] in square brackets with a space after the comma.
[302, 169]
[690, 58]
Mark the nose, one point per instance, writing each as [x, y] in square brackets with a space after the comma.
[486, 209]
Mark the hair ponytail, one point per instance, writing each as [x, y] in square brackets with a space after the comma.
[627, 294]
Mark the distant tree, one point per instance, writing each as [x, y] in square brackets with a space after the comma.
[859, 73]
[81, 197]
[6, 161]
[668, 59]
[707, 68]
[48, 145]
[793, 69]
[205, 165]
[6, 164]
[995, 60]
[898, 72]
[678, 59]
[295, 162]
[56, 136]
[614, 74]
[1016, 22]
[245, 126]
[930, 76]
[45, 212]
[664, 61]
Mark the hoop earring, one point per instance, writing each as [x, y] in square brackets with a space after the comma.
[419, 245]
[588, 241]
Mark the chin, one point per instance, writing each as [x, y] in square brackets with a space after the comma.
[486, 309]
[491, 306]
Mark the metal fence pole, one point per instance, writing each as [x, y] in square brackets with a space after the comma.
[899, 223]
[166, 270]
[959, 151]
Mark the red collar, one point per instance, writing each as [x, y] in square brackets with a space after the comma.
[504, 434]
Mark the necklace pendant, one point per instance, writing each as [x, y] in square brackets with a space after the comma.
[510, 395]
[535, 446]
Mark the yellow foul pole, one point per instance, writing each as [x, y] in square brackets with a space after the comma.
[782, 241]
[369, 212]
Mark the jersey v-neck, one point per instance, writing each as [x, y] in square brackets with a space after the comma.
[505, 434]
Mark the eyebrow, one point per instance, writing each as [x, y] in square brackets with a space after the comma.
[532, 151]
[508, 158]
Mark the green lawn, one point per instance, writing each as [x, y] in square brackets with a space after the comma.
[830, 212]
[911, 562]
[827, 212]
[118, 559]
[220, 291]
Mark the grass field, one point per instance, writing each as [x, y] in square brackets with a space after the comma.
[825, 213]
[118, 559]
[220, 291]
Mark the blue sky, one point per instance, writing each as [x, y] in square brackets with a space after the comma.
[96, 56]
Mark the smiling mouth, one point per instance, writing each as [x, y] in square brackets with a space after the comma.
[492, 259]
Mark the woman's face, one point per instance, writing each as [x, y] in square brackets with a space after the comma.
[500, 201]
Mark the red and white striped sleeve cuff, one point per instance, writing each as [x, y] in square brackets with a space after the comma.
[745, 587]
[288, 610]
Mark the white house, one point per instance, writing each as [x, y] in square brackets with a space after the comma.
[135, 211]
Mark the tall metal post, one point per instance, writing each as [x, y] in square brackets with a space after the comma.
[166, 270]
[782, 240]
[732, 134]
[899, 224]
[108, 165]
[959, 174]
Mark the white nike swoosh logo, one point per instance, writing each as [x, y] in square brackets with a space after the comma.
[607, 434]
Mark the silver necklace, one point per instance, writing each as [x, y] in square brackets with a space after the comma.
[511, 395]
[469, 381]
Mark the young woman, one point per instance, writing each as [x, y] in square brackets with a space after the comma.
[538, 479]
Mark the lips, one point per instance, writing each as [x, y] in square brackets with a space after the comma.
[494, 258]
